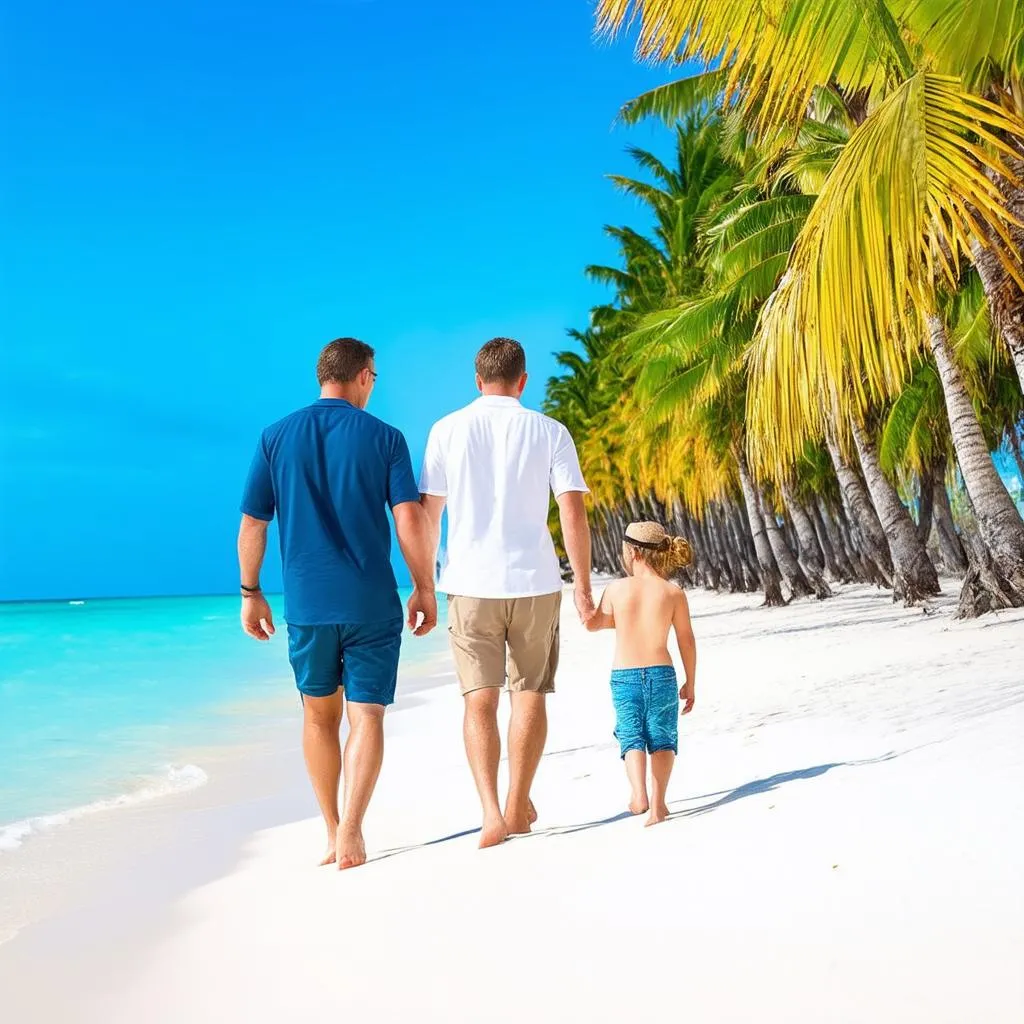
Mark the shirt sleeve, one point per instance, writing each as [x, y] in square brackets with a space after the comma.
[433, 479]
[401, 479]
[258, 496]
[566, 474]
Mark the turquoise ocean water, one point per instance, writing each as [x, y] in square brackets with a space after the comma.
[101, 700]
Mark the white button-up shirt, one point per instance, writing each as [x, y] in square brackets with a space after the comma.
[497, 463]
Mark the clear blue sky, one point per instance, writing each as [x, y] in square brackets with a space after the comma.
[199, 194]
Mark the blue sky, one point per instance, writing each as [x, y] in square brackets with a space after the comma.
[198, 195]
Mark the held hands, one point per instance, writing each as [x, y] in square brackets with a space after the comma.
[257, 619]
[584, 601]
[687, 696]
[422, 602]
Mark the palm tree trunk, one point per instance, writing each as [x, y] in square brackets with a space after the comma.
[1018, 456]
[864, 567]
[831, 541]
[599, 535]
[925, 504]
[811, 555]
[740, 526]
[954, 558]
[768, 570]
[861, 515]
[1005, 299]
[784, 557]
[914, 576]
[998, 519]
[733, 556]
[702, 568]
[712, 562]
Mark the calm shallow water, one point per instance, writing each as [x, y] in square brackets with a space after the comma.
[99, 699]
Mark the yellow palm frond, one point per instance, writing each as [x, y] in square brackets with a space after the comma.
[972, 39]
[893, 219]
[776, 51]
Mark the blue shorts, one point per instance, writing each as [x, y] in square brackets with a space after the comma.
[646, 709]
[361, 658]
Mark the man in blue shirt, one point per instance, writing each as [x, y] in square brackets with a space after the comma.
[328, 472]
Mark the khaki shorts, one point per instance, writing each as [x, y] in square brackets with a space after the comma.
[482, 629]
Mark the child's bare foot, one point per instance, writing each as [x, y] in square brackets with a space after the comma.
[639, 804]
[349, 848]
[493, 833]
[657, 815]
[531, 813]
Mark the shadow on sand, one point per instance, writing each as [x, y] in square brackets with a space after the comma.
[728, 796]
[395, 851]
[715, 800]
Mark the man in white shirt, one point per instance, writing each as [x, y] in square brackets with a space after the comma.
[496, 464]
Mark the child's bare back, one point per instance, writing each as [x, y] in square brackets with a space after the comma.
[642, 611]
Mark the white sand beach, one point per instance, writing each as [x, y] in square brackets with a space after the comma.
[846, 845]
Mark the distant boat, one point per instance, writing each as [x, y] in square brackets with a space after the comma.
[76, 602]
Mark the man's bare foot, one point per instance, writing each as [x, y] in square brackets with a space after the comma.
[519, 822]
[349, 848]
[332, 833]
[657, 816]
[639, 805]
[493, 833]
[531, 813]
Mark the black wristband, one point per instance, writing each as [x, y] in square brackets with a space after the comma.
[249, 590]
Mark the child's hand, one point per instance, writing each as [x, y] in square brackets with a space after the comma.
[687, 696]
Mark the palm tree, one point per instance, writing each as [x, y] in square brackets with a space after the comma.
[859, 298]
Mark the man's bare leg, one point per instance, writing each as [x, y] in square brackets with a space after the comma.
[527, 734]
[661, 768]
[483, 749]
[364, 753]
[636, 769]
[321, 746]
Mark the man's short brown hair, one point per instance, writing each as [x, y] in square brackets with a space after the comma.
[343, 360]
[501, 361]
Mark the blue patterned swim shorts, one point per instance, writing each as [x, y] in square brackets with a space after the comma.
[646, 708]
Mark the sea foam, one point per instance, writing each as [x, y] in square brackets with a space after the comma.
[176, 778]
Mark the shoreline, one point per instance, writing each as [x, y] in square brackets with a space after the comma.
[851, 770]
[256, 777]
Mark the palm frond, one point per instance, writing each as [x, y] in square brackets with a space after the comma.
[967, 38]
[844, 325]
[676, 100]
[779, 53]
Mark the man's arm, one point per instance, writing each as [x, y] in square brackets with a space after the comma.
[414, 539]
[687, 650]
[576, 536]
[257, 619]
[433, 507]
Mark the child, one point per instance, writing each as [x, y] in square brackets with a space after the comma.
[641, 609]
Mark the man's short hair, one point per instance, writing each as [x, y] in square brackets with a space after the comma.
[343, 360]
[501, 361]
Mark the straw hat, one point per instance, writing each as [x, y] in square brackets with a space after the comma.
[648, 535]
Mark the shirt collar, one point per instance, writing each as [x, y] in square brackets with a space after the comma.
[335, 401]
[497, 400]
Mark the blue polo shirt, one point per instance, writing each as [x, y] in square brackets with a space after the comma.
[329, 472]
